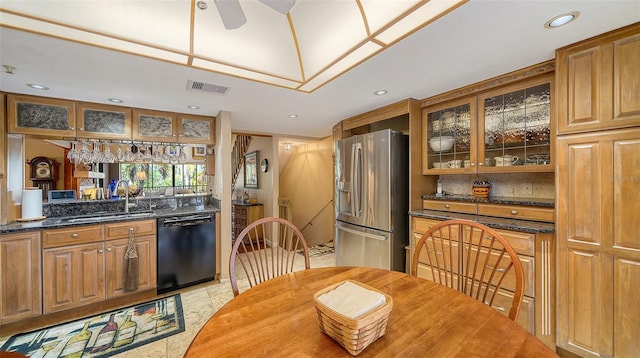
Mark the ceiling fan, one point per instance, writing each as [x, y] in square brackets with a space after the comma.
[233, 17]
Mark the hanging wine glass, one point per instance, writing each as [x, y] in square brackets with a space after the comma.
[128, 155]
[182, 157]
[96, 155]
[119, 153]
[147, 155]
[139, 157]
[157, 154]
[109, 157]
[174, 156]
[85, 154]
[73, 153]
[166, 157]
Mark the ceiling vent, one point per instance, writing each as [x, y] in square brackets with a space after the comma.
[206, 87]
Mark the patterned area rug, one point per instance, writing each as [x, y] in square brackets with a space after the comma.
[319, 250]
[105, 334]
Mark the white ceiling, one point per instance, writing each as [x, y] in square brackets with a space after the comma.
[478, 40]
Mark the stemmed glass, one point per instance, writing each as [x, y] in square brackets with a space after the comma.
[147, 155]
[157, 154]
[128, 154]
[182, 157]
[73, 153]
[119, 154]
[108, 156]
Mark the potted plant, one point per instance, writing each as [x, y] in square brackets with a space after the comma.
[481, 188]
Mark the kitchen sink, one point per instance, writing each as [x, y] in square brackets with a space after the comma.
[115, 216]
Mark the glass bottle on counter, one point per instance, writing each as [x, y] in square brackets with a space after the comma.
[75, 345]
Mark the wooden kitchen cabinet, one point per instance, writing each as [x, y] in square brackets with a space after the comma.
[40, 115]
[599, 243]
[116, 270]
[85, 264]
[117, 236]
[503, 130]
[536, 255]
[155, 126]
[102, 121]
[194, 129]
[20, 272]
[597, 82]
[73, 276]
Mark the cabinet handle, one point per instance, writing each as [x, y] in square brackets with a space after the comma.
[499, 308]
[473, 164]
[109, 249]
[434, 252]
[81, 129]
[100, 251]
[75, 235]
[447, 206]
[498, 269]
[514, 212]
[480, 164]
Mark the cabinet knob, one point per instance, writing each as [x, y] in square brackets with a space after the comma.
[474, 164]
[447, 206]
[109, 249]
[100, 251]
[81, 129]
[75, 235]
[480, 164]
[514, 212]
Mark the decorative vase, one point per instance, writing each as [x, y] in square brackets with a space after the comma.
[481, 191]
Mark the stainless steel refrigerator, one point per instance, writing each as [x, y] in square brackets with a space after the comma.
[372, 200]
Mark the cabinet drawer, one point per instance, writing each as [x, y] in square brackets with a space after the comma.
[526, 317]
[121, 230]
[523, 243]
[517, 212]
[420, 226]
[453, 206]
[72, 236]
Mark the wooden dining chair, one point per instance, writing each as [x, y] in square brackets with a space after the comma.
[265, 249]
[473, 259]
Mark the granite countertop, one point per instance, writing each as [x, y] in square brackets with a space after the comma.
[60, 222]
[533, 227]
[546, 203]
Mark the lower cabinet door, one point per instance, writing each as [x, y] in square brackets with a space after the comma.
[20, 276]
[117, 266]
[73, 276]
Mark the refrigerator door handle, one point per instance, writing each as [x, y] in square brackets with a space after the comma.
[357, 179]
[362, 233]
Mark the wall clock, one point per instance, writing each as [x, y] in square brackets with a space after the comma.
[264, 165]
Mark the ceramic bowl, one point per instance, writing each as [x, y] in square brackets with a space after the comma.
[441, 144]
[440, 165]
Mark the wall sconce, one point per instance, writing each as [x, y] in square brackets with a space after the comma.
[286, 146]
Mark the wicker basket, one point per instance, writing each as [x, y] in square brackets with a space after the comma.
[353, 334]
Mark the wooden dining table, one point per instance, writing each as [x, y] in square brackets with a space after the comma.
[278, 318]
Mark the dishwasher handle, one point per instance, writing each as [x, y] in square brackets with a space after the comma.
[186, 221]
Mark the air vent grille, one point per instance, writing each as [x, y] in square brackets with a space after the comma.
[198, 86]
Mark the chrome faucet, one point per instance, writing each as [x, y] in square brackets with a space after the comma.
[126, 193]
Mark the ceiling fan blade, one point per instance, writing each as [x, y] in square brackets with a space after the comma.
[231, 13]
[281, 6]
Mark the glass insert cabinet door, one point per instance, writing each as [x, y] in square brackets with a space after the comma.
[449, 138]
[517, 131]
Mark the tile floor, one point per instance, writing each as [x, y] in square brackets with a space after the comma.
[199, 304]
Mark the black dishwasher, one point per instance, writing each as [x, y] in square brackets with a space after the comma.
[186, 251]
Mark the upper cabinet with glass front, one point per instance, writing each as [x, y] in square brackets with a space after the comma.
[515, 128]
[154, 126]
[103, 121]
[40, 115]
[503, 130]
[449, 136]
[196, 129]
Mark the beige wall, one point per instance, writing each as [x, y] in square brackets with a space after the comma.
[307, 180]
[264, 193]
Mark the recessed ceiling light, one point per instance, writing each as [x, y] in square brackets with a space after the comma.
[37, 86]
[293, 115]
[115, 100]
[380, 92]
[202, 5]
[562, 20]
[193, 107]
[287, 145]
